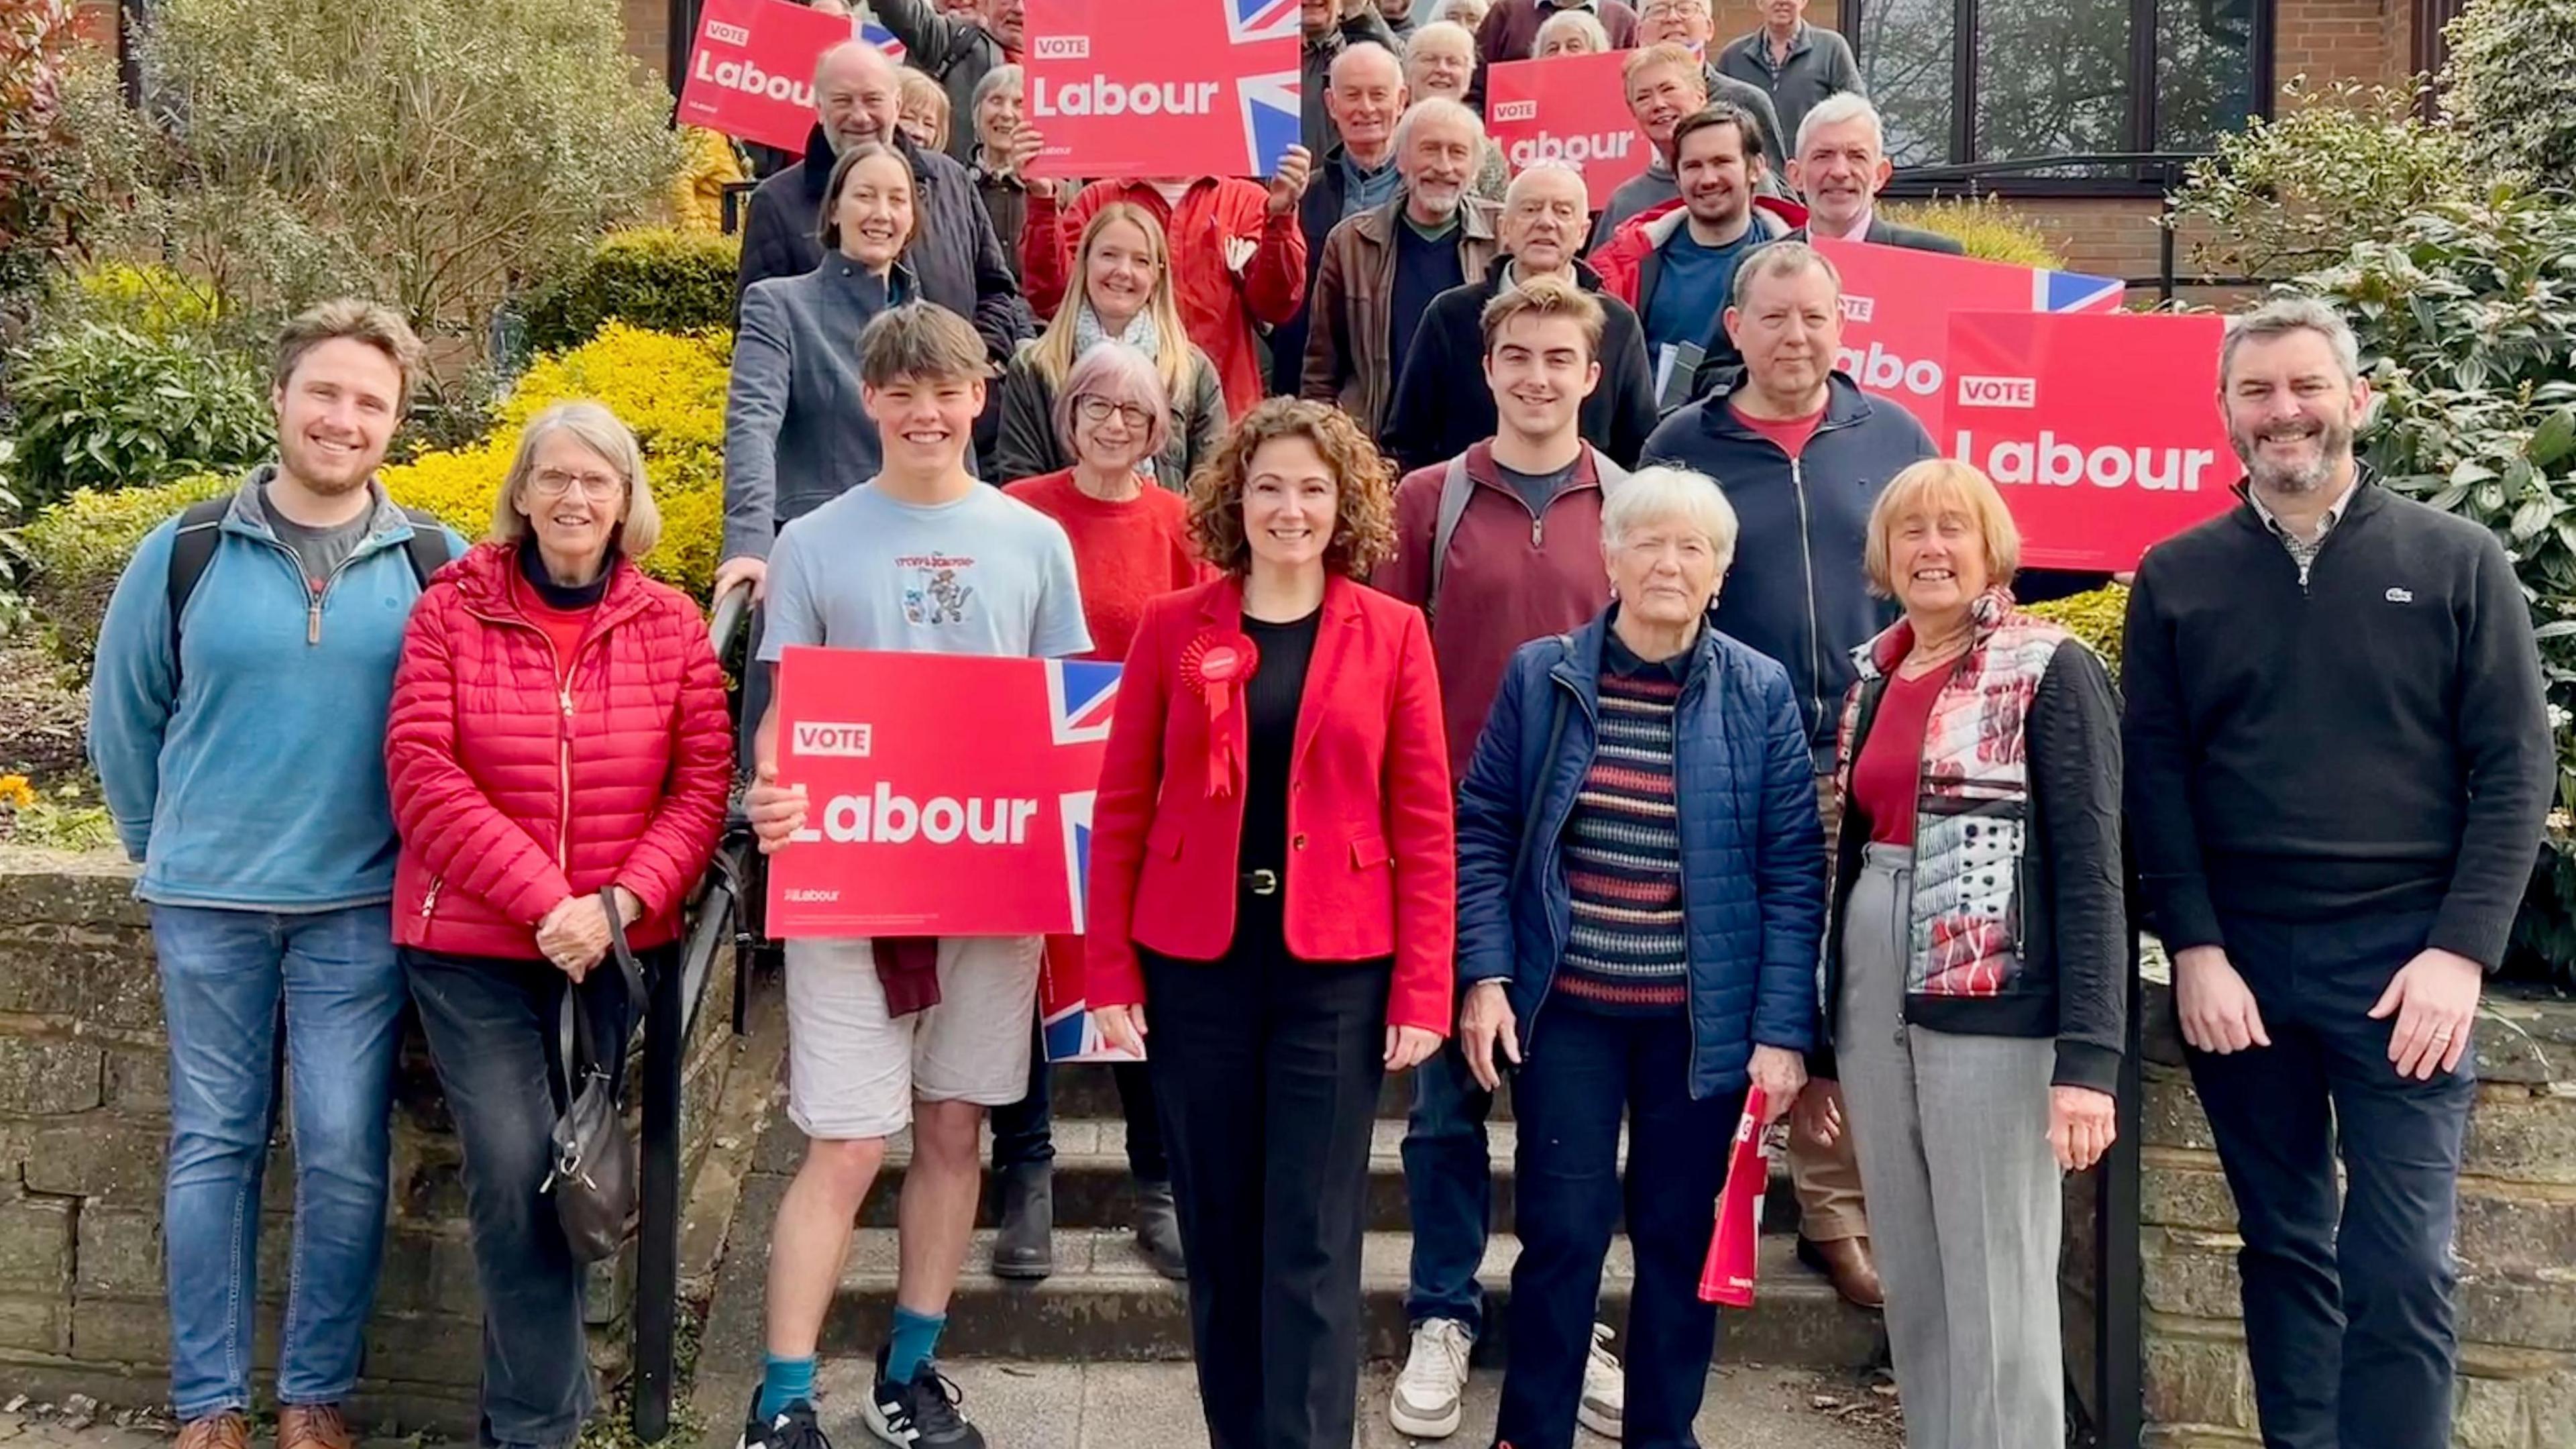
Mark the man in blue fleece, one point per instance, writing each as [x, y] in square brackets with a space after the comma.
[237, 720]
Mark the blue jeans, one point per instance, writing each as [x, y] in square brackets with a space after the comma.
[2349, 1314]
[1449, 1189]
[225, 975]
[1581, 1075]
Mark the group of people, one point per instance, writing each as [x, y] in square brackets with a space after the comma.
[1568, 640]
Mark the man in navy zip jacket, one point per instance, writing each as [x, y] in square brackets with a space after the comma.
[240, 737]
[2338, 766]
[1802, 454]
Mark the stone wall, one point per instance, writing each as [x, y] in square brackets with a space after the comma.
[84, 1122]
[2516, 1242]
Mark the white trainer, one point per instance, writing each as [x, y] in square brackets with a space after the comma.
[1430, 1395]
[1603, 1408]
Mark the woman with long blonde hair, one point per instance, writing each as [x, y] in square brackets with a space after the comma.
[1122, 293]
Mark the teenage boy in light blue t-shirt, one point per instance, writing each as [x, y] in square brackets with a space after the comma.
[921, 557]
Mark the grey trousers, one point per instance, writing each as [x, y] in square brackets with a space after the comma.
[1963, 1193]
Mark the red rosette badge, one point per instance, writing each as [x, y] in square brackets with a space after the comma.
[1215, 666]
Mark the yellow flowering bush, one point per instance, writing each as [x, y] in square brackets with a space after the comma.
[669, 388]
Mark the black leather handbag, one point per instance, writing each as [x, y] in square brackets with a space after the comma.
[594, 1177]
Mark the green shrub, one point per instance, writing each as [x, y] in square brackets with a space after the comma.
[2291, 194]
[1990, 230]
[430, 153]
[2096, 617]
[2510, 86]
[46, 192]
[669, 389]
[660, 280]
[105, 407]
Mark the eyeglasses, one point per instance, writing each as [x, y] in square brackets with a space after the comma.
[555, 483]
[1098, 409]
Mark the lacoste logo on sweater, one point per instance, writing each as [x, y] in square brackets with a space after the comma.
[2400, 596]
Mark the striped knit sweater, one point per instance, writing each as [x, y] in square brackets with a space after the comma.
[1626, 952]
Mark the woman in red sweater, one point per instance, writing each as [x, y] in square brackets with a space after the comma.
[557, 750]
[1130, 544]
[1274, 896]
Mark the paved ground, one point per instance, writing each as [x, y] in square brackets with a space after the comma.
[80, 1423]
[1117, 1406]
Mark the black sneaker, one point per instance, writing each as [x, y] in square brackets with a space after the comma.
[922, 1414]
[794, 1427]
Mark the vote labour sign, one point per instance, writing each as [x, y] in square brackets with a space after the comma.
[1897, 305]
[2102, 430]
[947, 795]
[1571, 109]
[752, 71]
[1171, 88]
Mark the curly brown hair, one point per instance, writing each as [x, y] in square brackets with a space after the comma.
[1363, 480]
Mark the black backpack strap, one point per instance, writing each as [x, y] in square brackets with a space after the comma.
[191, 549]
[427, 546]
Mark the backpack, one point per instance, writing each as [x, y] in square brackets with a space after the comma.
[1457, 490]
[192, 548]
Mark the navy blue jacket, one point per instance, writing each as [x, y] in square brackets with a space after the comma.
[1753, 847]
[1796, 591]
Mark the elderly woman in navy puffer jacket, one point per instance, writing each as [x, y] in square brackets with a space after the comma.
[1640, 864]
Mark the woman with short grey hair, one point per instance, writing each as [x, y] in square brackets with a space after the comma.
[1640, 867]
[995, 114]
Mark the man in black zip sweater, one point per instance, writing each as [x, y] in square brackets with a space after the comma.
[1802, 454]
[2338, 766]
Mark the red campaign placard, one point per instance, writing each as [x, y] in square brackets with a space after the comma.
[752, 72]
[2102, 430]
[1571, 109]
[1896, 313]
[947, 795]
[1172, 88]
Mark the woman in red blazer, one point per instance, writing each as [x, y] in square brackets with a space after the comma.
[1273, 895]
[557, 750]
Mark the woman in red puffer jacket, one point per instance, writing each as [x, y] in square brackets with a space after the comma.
[558, 749]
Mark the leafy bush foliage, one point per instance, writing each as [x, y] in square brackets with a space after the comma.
[45, 188]
[2467, 317]
[2290, 194]
[669, 389]
[2096, 617]
[1989, 229]
[106, 407]
[660, 280]
[2511, 88]
[430, 153]
[155, 300]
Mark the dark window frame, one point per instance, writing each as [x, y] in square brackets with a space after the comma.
[2142, 178]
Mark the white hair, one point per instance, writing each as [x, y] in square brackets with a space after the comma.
[1358, 50]
[1445, 12]
[1583, 22]
[1541, 168]
[1440, 30]
[1836, 109]
[1437, 108]
[1662, 495]
[1000, 77]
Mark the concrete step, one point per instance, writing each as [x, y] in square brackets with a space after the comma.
[1092, 1188]
[1104, 1304]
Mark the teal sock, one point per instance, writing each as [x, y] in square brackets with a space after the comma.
[783, 1381]
[916, 1338]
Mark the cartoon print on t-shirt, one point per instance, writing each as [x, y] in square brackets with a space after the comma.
[937, 592]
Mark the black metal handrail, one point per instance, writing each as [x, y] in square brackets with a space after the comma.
[724, 913]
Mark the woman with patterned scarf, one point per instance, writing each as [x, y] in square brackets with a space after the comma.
[1124, 270]
[1976, 959]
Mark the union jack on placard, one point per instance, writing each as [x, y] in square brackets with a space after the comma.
[882, 38]
[2074, 292]
[1080, 696]
[1272, 118]
[1260, 19]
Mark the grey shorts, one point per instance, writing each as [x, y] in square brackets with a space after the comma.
[853, 1072]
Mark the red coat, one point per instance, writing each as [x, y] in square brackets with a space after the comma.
[512, 791]
[1219, 303]
[1372, 846]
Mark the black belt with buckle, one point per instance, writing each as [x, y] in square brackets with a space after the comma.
[1261, 882]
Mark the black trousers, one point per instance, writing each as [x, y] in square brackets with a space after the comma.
[2348, 1307]
[1025, 1131]
[1266, 1070]
[491, 1026]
